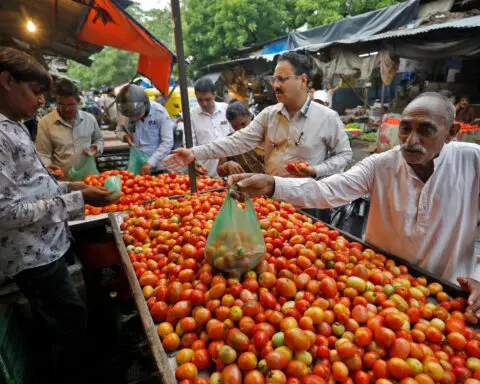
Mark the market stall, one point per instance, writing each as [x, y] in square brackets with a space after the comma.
[316, 289]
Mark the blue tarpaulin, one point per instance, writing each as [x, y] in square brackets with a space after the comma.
[275, 47]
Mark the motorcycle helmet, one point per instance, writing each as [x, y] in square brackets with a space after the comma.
[132, 101]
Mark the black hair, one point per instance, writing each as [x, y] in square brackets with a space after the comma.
[25, 68]
[302, 64]
[65, 88]
[317, 80]
[204, 86]
[235, 109]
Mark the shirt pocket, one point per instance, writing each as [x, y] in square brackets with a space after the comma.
[151, 134]
[308, 147]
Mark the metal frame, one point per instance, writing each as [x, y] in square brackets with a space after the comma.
[182, 78]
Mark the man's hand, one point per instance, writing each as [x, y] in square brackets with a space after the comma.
[302, 172]
[129, 140]
[200, 169]
[74, 186]
[179, 158]
[92, 151]
[253, 185]
[232, 168]
[55, 171]
[472, 286]
[145, 169]
[98, 196]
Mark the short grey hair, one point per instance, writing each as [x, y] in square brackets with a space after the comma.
[449, 111]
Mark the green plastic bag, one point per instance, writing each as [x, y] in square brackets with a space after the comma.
[114, 183]
[235, 243]
[136, 160]
[86, 168]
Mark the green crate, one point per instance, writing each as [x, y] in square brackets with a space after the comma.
[13, 351]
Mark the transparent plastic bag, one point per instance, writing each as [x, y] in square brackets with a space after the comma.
[86, 168]
[114, 183]
[235, 243]
[136, 161]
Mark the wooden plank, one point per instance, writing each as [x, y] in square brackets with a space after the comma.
[167, 375]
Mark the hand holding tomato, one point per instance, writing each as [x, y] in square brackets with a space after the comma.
[301, 169]
[200, 169]
[145, 169]
[179, 158]
[92, 151]
[55, 171]
[472, 286]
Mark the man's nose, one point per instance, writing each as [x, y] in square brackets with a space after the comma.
[413, 138]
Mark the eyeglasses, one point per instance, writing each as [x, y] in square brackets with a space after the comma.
[282, 79]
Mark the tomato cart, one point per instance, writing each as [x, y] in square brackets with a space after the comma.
[382, 288]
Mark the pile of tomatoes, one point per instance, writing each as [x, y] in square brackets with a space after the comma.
[137, 189]
[318, 309]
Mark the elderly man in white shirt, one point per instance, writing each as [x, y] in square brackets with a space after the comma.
[296, 129]
[209, 121]
[424, 194]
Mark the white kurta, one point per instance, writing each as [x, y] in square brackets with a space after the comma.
[431, 224]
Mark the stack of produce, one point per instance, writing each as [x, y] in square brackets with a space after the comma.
[136, 188]
[318, 309]
[468, 127]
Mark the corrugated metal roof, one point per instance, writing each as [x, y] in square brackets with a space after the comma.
[466, 23]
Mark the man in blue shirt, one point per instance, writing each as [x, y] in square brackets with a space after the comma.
[145, 125]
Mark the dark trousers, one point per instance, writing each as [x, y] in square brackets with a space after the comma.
[61, 318]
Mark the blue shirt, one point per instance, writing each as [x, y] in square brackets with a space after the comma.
[153, 135]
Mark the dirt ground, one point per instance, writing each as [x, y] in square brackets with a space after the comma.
[361, 149]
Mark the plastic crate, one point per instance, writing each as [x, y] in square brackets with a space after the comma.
[13, 351]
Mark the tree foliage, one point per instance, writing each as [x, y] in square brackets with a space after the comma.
[214, 28]
[113, 66]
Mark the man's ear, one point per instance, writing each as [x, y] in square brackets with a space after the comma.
[6, 80]
[452, 132]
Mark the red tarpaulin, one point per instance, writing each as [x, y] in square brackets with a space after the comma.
[107, 24]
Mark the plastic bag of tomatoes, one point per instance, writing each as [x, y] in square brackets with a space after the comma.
[235, 243]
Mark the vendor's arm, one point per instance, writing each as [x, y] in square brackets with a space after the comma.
[166, 144]
[43, 143]
[121, 130]
[240, 142]
[339, 150]
[331, 192]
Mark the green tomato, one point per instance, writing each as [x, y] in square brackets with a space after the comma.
[278, 339]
